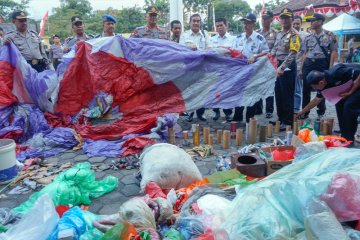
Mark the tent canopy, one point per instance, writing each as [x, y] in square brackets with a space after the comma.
[343, 24]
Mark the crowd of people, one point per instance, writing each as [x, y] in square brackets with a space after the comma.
[305, 60]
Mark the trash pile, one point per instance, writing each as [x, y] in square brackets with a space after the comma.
[316, 197]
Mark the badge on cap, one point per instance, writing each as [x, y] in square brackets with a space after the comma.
[22, 14]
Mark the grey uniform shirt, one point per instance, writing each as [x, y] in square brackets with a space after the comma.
[270, 36]
[29, 44]
[300, 54]
[71, 41]
[146, 32]
[286, 47]
[249, 46]
[56, 51]
[311, 47]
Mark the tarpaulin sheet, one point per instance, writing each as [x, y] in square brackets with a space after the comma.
[146, 79]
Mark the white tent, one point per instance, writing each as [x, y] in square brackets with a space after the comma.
[342, 25]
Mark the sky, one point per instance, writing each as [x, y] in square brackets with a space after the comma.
[38, 8]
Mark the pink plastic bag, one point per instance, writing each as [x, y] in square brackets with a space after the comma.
[343, 197]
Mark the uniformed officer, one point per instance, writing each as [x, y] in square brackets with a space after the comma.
[297, 23]
[56, 51]
[348, 103]
[253, 45]
[151, 30]
[78, 28]
[287, 45]
[196, 39]
[175, 31]
[109, 22]
[222, 39]
[319, 54]
[28, 42]
[270, 34]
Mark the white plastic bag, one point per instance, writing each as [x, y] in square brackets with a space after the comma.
[168, 166]
[37, 224]
[212, 204]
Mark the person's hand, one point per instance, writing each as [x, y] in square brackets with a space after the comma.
[7, 40]
[251, 60]
[279, 72]
[66, 50]
[346, 94]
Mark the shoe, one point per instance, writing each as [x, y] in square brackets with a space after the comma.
[228, 118]
[357, 137]
[237, 119]
[190, 118]
[282, 127]
[201, 118]
[184, 114]
[217, 116]
[269, 115]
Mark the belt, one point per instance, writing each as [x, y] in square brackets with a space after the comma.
[316, 59]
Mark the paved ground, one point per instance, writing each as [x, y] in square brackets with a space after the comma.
[128, 184]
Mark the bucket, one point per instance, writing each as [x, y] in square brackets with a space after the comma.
[8, 169]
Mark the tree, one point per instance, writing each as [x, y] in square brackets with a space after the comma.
[80, 7]
[271, 5]
[232, 10]
[9, 6]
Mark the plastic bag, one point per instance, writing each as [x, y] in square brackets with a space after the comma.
[137, 212]
[172, 234]
[321, 223]
[284, 155]
[190, 227]
[37, 224]
[121, 231]
[153, 190]
[75, 186]
[168, 166]
[165, 211]
[273, 207]
[74, 221]
[307, 135]
[309, 149]
[343, 197]
[212, 204]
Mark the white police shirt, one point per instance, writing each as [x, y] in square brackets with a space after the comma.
[225, 41]
[252, 45]
[200, 39]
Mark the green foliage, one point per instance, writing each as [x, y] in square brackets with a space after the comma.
[164, 9]
[80, 7]
[9, 6]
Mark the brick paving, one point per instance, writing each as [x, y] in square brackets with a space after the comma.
[128, 184]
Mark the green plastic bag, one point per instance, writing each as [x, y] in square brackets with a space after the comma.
[173, 234]
[121, 231]
[145, 235]
[75, 186]
[231, 177]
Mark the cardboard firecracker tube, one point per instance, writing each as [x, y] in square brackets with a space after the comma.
[239, 136]
[171, 133]
[252, 131]
[295, 128]
[186, 135]
[269, 131]
[219, 136]
[211, 139]
[226, 139]
[322, 126]
[262, 134]
[206, 132]
[326, 128]
[196, 134]
[233, 126]
[277, 126]
[331, 125]
[288, 128]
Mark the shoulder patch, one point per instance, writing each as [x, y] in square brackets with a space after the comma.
[261, 38]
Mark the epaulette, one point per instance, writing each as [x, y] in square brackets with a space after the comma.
[33, 31]
[68, 39]
[328, 32]
[261, 38]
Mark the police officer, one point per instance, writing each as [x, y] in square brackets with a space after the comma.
[78, 28]
[253, 45]
[28, 42]
[287, 45]
[270, 34]
[196, 39]
[319, 54]
[175, 26]
[151, 30]
[297, 23]
[109, 22]
[348, 107]
[222, 39]
[56, 51]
